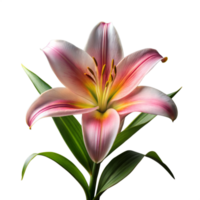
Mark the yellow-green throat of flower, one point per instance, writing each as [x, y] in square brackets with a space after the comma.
[102, 90]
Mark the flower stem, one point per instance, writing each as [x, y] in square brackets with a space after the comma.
[93, 179]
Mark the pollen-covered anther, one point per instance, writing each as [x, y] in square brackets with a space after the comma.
[165, 60]
[98, 77]
[91, 72]
[103, 69]
[111, 78]
[95, 62]
[107, 83]
[115, 70]
[112, 64]
[89, 77]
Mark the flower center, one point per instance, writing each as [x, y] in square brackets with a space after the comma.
[102, 87]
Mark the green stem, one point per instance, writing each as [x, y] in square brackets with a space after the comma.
[93, 179]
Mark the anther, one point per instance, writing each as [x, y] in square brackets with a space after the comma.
[165, 60]
[107, 83]
[89, 77]
[110, 78]
[95, 62]
[112, 64]
[103, 69]
[91, 71]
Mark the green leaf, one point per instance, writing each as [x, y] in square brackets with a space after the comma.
[156, 157]
[124, 136]
[69, 128]
[118, 169]
[124, 164]
[140, 121]
[63, 162]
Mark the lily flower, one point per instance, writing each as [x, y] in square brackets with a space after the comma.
[101, 85]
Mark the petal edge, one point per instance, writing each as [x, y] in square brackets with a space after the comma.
[57, 102]
[99, 132]
[147, 100]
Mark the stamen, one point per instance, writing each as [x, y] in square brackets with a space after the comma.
[97, 81]
[91, 72]
[110, 78]
[89, 77]
[95, 62]
[165, 60]
[104, 102]
[101, 80]
[102, 93]
[107, 83]
[112, 64]
[103, 69]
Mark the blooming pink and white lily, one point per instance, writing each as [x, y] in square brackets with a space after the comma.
[101, 85]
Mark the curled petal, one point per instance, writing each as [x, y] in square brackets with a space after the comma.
[99, 132]
[57, 102]
[147, 100]
[104, 44]
[131, 70]
[69, 63]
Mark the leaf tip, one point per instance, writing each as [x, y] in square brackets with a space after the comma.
[21, 64]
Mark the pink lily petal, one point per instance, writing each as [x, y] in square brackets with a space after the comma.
[104, 44]
[147, 100]
[69, 63]
[58, 102]
[123, 120]
[99, 132]
[131, 70]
